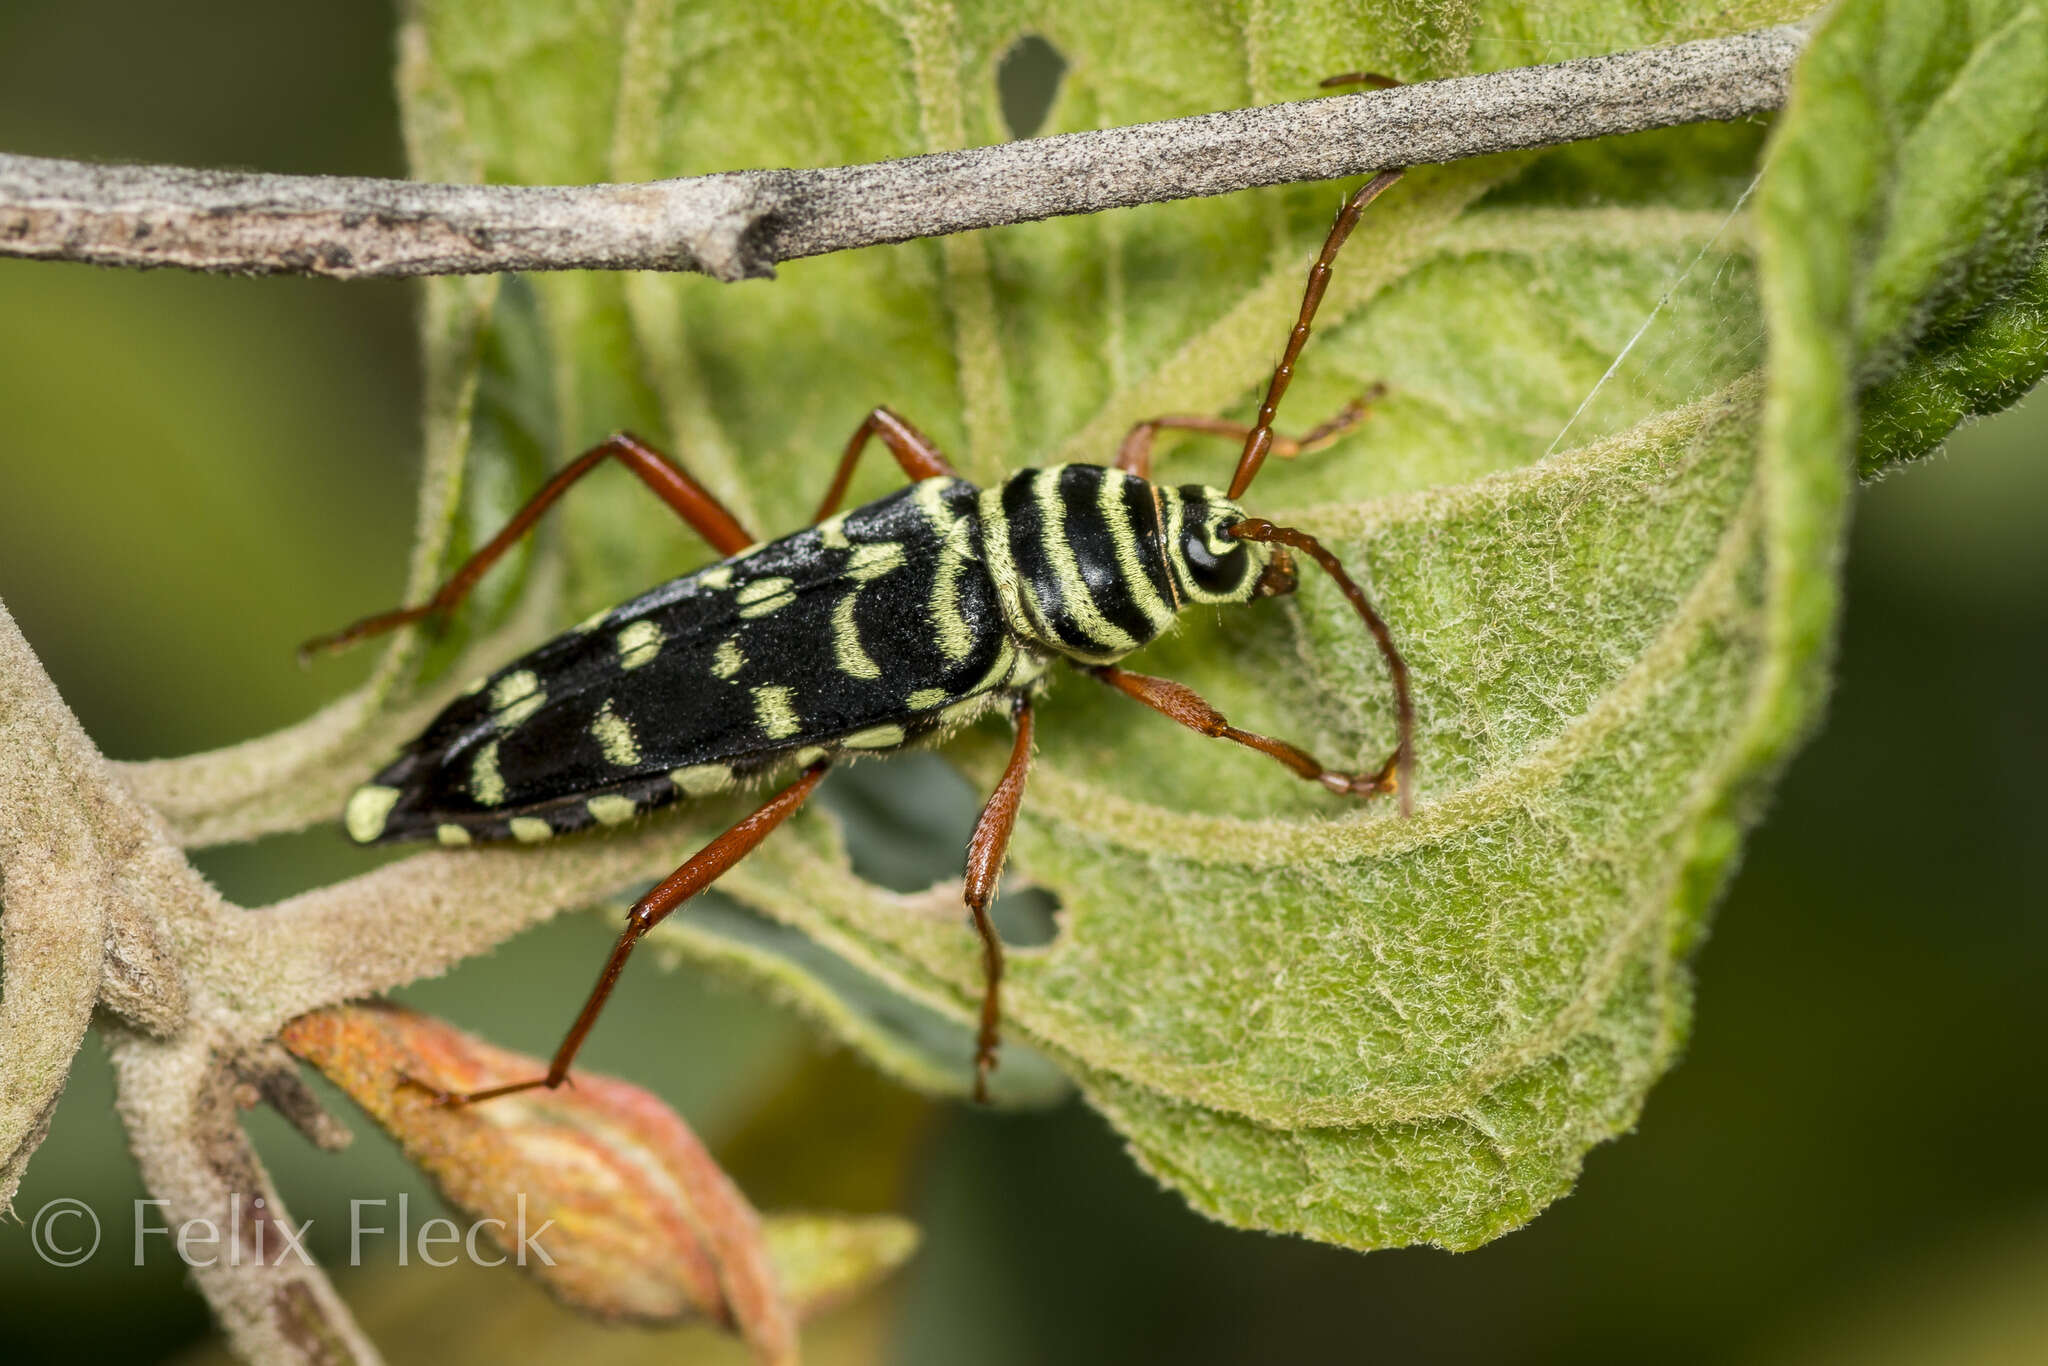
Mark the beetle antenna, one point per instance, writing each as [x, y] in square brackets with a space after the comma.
[1259, 529]
[1259, 441]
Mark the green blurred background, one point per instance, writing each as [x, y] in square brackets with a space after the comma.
[197, 473]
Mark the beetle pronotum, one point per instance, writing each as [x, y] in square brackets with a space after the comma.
[936, 602]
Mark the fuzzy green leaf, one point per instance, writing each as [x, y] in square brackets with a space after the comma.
[1926, 178]
[1979, 367]
[1614, 588]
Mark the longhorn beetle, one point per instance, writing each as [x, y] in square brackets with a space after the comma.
[884, 626]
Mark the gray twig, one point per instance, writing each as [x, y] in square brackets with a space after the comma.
[740, 224]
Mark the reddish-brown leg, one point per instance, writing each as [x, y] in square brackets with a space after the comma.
[914, 451]
[692, 502]
[1134, 456]
[985, 855]
[1403, 762]
[1181, 703]
[702, 869]
[1259, 441]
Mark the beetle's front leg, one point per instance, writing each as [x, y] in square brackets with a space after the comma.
[1178, 702]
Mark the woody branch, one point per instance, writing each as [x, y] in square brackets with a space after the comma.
[739, 224]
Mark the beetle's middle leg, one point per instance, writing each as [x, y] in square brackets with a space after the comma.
[1134, 455]
[985, 855]
[699, 871]
[692, 502]
[917, 454]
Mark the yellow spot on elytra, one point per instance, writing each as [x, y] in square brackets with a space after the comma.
[531, 829]
[639, 642]
[611, 810]
[762, 588]
[701, 780]
[948, 525]
[454, 836]
[718, 576]
[954, 640]
[614, 735]
[762, 596]
[591, 622]
[874, 560]
[775, 709]
[874, 737]
[808, 755]
[846, 647]
[485, 783]
[728, 661]
[515, 697]
[832, 532]
[367, 811]
[771, 605]
[925, 698]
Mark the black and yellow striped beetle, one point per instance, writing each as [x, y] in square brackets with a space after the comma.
[885, 626]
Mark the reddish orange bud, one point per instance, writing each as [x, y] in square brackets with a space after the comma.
[640, 1222]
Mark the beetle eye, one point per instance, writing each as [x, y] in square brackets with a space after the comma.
[1216, 564]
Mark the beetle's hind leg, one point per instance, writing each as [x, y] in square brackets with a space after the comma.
[692, 502]
[699, 871]
[985, 855]
[1134, 455]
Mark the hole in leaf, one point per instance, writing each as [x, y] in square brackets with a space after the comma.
[907, 823]
[1024, 917]
[1027, 81]
[907, 819]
